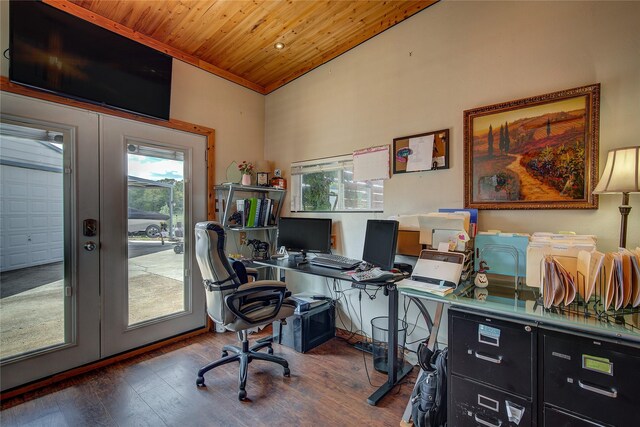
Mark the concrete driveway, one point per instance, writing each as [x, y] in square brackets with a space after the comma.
[32, 301]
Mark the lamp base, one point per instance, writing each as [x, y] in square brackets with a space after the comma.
[624, 209]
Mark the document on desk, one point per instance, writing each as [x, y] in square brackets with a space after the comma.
[417, 285]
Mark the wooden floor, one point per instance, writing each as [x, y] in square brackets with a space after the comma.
[328, 387]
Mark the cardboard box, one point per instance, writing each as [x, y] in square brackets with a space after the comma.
[408, 243]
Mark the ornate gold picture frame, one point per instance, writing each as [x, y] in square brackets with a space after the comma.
[533, 153]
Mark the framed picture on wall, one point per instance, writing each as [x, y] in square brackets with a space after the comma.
[534, 153]
[423, 152]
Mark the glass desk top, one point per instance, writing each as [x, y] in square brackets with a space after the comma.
[501, 300]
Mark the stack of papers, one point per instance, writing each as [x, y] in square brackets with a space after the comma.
[431, 288]
[564, 249]
[622, 281]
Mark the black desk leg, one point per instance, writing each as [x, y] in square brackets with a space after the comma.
[393, 376]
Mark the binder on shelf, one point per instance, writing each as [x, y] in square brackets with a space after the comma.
[247, 208]
[266, 213]
[256, 222]
[253, 204]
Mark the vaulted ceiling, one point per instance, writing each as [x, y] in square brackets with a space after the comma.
[235, 39]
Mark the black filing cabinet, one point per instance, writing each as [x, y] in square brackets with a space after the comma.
[508, 372]
[589, 381]
[492, 371]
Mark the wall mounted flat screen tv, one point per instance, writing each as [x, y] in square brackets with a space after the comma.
[59, 53]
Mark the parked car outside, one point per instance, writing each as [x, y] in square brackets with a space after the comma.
[144, 222]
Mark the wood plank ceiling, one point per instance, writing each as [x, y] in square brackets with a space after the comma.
[235, 39]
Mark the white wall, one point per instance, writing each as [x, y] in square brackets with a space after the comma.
[423, 73]
[235, 112]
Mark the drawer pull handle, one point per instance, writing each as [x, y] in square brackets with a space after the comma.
[488, 423]
[497, 360]
[609, 393]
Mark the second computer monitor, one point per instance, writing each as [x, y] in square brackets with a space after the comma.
[305, 234]
[380, 243]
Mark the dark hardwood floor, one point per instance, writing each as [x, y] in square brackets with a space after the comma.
[328, 387]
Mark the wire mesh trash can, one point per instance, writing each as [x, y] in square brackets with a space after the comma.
[380, 346]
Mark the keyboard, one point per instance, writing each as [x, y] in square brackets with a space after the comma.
[335, 261]
[372, 275]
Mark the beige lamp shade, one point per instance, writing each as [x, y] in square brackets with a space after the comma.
[621, 172]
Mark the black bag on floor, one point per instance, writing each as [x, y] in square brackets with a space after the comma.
[429, 398]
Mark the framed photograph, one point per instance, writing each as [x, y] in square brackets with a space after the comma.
[423, 152]
[533, 153]
[262, 179]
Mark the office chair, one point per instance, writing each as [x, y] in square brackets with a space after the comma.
[237, 306]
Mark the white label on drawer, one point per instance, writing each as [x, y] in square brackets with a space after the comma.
[489, 335]
[488, 403]
[560, 355]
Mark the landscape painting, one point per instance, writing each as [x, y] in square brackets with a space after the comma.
[534, 153]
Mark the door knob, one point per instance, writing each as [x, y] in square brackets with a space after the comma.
[90, 246]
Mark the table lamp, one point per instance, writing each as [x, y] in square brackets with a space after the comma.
[621, 175]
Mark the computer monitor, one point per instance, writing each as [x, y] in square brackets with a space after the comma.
[305, 235]
[380, 243]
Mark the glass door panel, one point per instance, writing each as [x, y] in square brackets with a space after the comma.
[33, 310]
[155, 193]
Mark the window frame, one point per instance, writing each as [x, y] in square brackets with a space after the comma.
[344, 165]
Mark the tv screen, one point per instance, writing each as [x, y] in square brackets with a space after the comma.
[59, 53]
[305, 234]
[380, 241]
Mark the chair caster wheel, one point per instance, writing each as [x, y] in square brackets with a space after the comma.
[270, 350]
[242, 395]
[225, 353]
[287, 372]
[200, 381]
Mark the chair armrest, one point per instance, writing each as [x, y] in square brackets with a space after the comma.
[261, 283]
[265, 292]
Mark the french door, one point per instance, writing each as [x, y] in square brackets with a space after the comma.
[79, 279]
[151, 282]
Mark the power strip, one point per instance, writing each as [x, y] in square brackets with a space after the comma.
[358, 285]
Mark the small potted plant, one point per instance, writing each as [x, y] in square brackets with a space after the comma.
[246, 168]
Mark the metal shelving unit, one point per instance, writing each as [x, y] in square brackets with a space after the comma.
[226, 197]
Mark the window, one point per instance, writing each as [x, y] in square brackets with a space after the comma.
[327, 185]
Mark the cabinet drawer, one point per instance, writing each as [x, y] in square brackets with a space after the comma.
[556, 418]
[591, 377]
[492, 351]
[475, 404]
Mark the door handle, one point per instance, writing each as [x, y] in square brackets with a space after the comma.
[487, 422]
[612, 392]
[496, 360]
[90, 246]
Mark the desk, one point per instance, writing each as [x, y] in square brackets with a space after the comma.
[393, 376]
[527, 310]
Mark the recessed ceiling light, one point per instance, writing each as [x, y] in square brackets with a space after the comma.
[279, 45]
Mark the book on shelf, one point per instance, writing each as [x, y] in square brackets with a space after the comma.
[253, 204]
[273, 212]
[266, 212]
